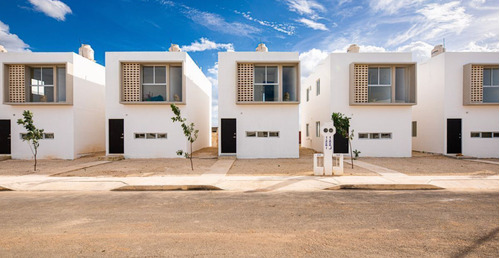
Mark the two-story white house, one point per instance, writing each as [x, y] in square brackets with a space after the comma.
[457, 111]
[140, 86]
[376, 90]
[65, 92]
[259, 95]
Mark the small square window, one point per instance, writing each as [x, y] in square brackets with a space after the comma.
[374, 136]
[274, 134]
[414, 129]
[140, 136]
[495, 134]
[48, 136]
[363, 136]
[262, 134]
[475, 134]
[386, 135]
[317, 129]
[251, 134]
[486, 134]
[150, 136]
[161, 136]
[307, 130]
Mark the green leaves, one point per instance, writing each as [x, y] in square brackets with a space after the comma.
[341, 123]
[189, 131]
[33, 134]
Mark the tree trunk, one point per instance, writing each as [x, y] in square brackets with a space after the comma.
[36, 151]
[191, 157]
[350, 147]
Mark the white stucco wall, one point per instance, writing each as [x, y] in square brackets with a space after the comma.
[365, 119]
[156, 118]
[258, 117]
[444, 74]
[88, 105]
[53, 118]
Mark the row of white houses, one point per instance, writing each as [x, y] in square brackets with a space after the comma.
[447, 105]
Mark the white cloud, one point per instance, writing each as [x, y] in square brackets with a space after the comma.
[217, 23]
[52, 8]
[305, 7]
[393, 6]
[473, 46]
[420, 50]
[312, 24]
[206, 44]
[10, 41]
[285, 28]
[309, 60]
[436, 21]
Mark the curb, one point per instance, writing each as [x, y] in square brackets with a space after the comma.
[167, 188]
[385, 187]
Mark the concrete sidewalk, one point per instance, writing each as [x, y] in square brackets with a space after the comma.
[241, 183]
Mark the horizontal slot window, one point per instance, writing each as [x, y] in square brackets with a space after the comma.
[262, 134]
[47, 136]
[251, 134]
[274, 134]
[150, 136]
[484, 134]
[375, 136]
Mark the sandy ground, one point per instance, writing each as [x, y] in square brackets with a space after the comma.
[288, 167]
[44, 166]
[430, 164]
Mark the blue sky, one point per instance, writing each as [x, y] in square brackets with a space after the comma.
[311, 27]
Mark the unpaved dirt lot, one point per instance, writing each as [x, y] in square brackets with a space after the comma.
[202, 161]
[431, 164]
[302, 166]
[44, 167]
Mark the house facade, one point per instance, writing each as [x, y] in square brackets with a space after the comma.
[259, 96]
[458, 104]
[140, 86]
[65, 92]
[376, 90]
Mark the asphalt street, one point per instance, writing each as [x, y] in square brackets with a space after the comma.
[276, 224]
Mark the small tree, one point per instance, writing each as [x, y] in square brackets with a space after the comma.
[189, 131]
[342, 123]
[34, 135]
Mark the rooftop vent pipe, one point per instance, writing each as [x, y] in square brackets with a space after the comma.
[174, 48]
[2, 49]
[353, 49]
[438, 49]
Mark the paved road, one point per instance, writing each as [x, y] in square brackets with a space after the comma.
[328, 223]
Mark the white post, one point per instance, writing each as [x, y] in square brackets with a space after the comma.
[328, 130]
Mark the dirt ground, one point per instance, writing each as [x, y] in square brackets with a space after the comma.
[44, 166]
[431, 164]
[202, 161]
[288, 167]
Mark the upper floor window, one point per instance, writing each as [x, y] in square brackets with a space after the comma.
[318, 89]
[152, 83]
[267, 83]
[155, 86]
[388, 84]
[490, 85]
[47, 84]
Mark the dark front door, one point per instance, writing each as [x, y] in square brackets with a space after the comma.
[115, 136]
[340, 144]
[454, 136]
[4, 136]
[228, 136]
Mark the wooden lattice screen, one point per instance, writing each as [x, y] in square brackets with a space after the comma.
[245, 82]
[476, 84]
[360, 83]
[131, 82]
[17, 88]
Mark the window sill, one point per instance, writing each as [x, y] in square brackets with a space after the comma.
[39, 103]
[151, 103]
[480, 104]
[382, 104]
[267, 102]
